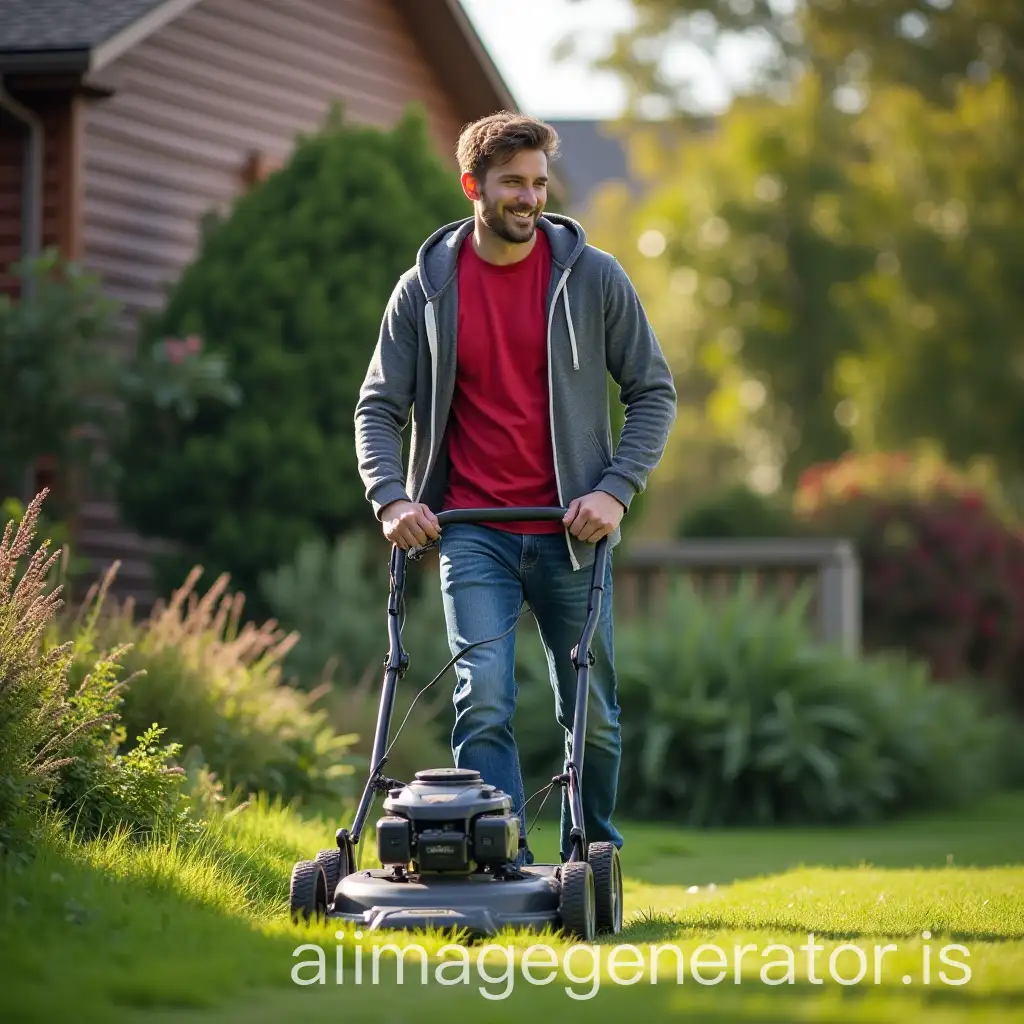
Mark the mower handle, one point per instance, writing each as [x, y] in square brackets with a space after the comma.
[397, 661]
[529, 513]
[514, 514]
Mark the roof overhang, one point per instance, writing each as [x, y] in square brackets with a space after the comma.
[447, 37]
[44, 62]
[445, 34]
[89, 60]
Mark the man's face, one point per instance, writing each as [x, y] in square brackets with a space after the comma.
[512, 195]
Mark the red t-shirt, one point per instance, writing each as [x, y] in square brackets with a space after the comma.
[499, 434]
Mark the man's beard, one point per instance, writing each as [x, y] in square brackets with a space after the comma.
[516, 233]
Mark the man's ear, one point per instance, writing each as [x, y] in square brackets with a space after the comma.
[470, 187]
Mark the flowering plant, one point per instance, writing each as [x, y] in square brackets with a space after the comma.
[942, 560]
[178, 372]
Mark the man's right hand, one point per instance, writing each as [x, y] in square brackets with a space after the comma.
[409, 523]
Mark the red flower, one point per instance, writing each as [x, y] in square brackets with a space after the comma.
[989, 625]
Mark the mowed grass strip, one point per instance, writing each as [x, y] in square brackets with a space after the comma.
[121, 931]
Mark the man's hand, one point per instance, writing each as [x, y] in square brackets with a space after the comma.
[409, 524]
[594, 516]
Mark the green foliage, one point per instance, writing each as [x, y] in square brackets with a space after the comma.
[740, 512]
[932, 48]
[335, 598]
[290, 289]
[63, 378]
[216, 688]
[55, 366]
[732, 715]
[942, 565]
[843, 237]
[58, 744]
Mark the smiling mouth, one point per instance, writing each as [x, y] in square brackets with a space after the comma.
[523, 218]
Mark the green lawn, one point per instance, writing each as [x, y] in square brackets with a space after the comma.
[113, 933]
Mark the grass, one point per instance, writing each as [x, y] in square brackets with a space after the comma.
[120, 931]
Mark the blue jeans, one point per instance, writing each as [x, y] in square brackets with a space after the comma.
[486, 575]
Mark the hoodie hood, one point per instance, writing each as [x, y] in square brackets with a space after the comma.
[437, 259]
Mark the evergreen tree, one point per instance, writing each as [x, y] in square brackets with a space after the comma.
[290, 288]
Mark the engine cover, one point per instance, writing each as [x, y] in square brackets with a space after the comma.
[446, 795]
[454, 819]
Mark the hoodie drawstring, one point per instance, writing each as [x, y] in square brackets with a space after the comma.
[572, 333]
[564, 283]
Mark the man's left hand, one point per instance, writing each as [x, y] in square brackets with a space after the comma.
[594, 516]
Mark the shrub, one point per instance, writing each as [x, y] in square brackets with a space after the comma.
[216, 688]
[58, 743]
[737, 511]
[732, 715]
[335, 598]
[942, 562]
[289, 289]
[63, 381]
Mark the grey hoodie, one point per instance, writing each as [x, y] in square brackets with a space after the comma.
[596, 326]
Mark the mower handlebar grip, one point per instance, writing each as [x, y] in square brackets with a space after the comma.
[502, 515]
[514, 514]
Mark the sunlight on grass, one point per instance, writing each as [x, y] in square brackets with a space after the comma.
[128, 930]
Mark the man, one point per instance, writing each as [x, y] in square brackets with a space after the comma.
[500, 340]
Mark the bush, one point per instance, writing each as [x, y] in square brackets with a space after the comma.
[58, 744]
[732, 715]
[217, 690]
[63, 382]
[290, 289]
[942, 562]
[335, 598]
[737, 511]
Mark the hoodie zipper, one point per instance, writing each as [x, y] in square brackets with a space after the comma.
[551, 404]
[431, 325]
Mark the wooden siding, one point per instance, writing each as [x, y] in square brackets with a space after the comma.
[193, 104]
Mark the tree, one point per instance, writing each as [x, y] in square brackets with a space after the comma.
[933, 47]
[847, 243]
[290, 288]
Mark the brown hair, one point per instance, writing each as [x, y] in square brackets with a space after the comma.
[497, 138]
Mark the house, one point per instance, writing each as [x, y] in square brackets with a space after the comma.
[596, 153]
[593, 154]
[124, 122]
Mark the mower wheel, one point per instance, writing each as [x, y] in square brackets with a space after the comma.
[336, 866]
[308, 895]
[577, 900]
[604, 859]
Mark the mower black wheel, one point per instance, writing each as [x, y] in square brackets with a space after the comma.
[604, 859]
[336, 866]
[577, 900]
[308, 894]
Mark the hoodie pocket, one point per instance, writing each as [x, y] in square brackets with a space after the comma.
[602, 453]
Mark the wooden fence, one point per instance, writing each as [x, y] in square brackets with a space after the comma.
[644, 572]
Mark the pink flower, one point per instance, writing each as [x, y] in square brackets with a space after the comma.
[175, 349]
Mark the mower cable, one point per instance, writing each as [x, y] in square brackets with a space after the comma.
[451, 662]
[547, 792]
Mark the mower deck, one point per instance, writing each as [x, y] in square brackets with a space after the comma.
[479, 903]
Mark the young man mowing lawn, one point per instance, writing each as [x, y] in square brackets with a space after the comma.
[499, 341]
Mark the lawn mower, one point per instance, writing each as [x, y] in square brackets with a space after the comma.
[448, 841]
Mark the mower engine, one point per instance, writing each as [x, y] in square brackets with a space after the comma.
[447, 820]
